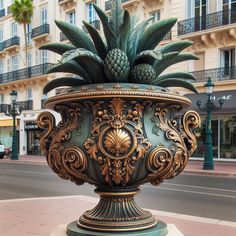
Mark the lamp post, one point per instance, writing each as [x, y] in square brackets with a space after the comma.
[13, 111]
[209, 107]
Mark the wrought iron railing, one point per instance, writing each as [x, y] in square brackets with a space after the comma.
[25, 73]
[108, 4]
[62, 37]
[11, 42]
[2, 12]
[96, 24]
[42, 29]
[217, 74]
[1, 46]
[208, 21]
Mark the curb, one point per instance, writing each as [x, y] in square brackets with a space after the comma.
[210, 173]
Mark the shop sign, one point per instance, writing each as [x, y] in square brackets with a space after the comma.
[31, 126]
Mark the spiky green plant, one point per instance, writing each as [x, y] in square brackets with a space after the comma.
[128, 54]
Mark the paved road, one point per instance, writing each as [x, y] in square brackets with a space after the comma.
[205, 196]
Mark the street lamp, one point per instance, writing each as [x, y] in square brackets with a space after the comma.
[13, 111]
[209, 107]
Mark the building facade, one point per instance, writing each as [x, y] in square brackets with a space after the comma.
[211, 25]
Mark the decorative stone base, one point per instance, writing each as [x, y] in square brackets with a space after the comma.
[172, 231]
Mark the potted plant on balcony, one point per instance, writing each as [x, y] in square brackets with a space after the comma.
[118, 127]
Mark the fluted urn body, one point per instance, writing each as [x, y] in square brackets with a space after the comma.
[117, 137]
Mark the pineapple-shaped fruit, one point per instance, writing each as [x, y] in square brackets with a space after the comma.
[116, 66]
[143, 73]
[129, 53]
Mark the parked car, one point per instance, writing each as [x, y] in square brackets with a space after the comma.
[2, 151]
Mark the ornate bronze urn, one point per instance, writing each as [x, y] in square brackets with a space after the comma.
[118, 127]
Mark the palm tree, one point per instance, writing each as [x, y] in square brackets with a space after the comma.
[22, 12]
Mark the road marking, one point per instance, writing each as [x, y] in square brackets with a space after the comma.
[30, 172]
[194, 186]
[189, 191]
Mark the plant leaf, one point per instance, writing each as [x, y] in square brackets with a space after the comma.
[153, 34]
[97, 40]
[176, 46]
[169, 60]
[116, 18]
[134, 38]
[59, 48]
[92, 63]
[124, 31]
[148, 56]
[109, 35]
[76, 36]
[176, 83]
[63, 81]
[179, 75]
[70, 67]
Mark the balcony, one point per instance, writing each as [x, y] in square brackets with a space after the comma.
[125, 3]
[62, 37]
[67, 4]
[25, 73]
[12, 45]
[41, 34]
[2, 52]
[208, 28]
[95, 24]
[25, 105]
[217, 74]
[2, 12]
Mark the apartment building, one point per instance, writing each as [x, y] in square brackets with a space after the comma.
[210, 24]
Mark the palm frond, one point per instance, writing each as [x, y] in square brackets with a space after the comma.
[63, 81]
[109, 35]
[92, 63]
[70, 67]
[97, 40]
[76, 36]
[116, 18]
[177, 75]
[59, 48]
[134, 38]
[176, 83]
[176, 46]
[148, 56]
[170, 59]
[124, 31]
[154, 34]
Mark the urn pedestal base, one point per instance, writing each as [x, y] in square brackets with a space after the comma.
[117, 212]
[160, 229]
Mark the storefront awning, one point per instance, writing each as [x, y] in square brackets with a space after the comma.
[8, 123]
[228, 107]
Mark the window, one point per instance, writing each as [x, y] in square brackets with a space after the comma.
[91, 12]
[14, 63]
[14, 29]
[1, 67]
[1, 98]
[29, 31]
[29, 94]
[156, 16]
[44, 16]
[71, 17]
[43, 56]
[29, 59]
[1, 4]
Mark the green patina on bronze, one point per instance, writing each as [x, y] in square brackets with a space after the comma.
[118, 128]
[128, 54]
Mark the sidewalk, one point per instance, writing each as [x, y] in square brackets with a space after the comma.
[41, 216]
[193, 167]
